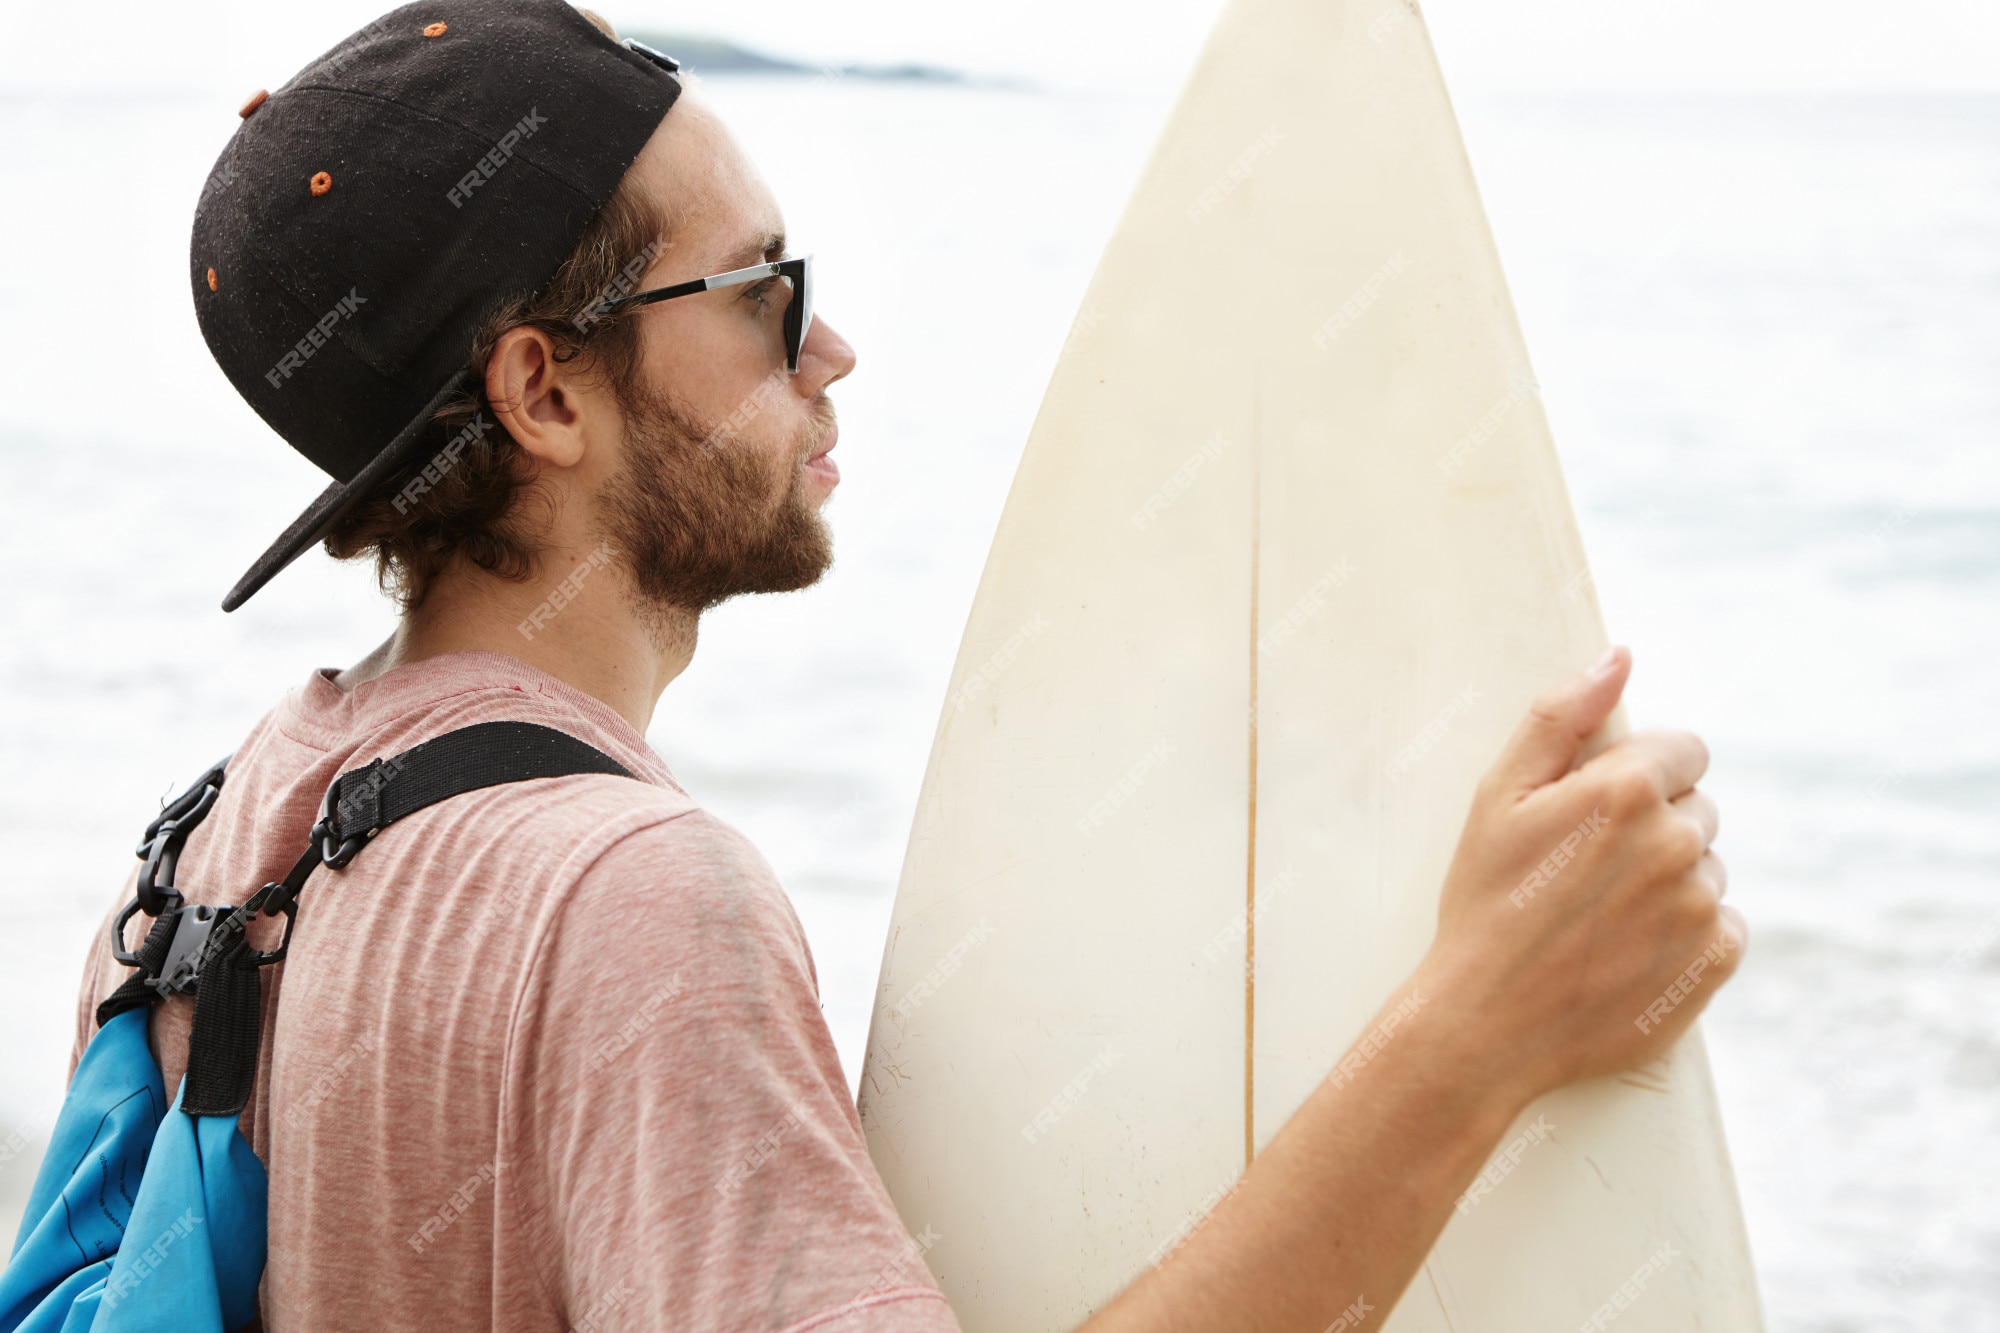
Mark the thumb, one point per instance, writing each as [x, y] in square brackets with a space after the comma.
[1546, 744]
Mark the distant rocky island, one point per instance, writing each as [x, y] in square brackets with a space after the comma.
[711, 55]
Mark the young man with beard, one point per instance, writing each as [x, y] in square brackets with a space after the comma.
[550, 1055]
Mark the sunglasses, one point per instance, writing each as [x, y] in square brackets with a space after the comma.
[798, 314]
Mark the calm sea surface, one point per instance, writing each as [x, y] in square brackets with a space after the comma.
[1767, 333]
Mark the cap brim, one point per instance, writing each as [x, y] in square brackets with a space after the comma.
[337, 499]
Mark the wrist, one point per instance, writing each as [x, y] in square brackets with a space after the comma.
[1484, 1062]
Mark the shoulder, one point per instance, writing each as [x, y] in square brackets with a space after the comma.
[682, 892]
[669, 854]
[685, 840]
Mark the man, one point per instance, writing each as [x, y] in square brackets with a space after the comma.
[550, 1055]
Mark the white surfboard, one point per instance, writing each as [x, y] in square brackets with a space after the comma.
[1287, 556]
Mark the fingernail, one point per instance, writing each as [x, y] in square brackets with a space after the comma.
[1604, 664]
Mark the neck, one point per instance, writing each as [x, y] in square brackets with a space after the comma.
[577, 619]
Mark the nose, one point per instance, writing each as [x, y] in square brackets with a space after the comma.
[824, 357]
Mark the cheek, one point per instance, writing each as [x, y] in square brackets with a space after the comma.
[707, 375]
[778, 434]
[758, 406]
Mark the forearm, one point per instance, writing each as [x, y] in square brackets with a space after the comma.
[1344, 1203]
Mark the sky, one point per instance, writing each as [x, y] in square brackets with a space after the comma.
[1536, 45]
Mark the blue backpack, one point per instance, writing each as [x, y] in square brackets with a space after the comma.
[150, 1217]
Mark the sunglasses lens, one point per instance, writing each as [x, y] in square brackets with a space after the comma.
[798, 315]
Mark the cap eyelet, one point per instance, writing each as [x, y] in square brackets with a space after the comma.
[321, 183]
[434, 30]
[254, 101]
[211, 280]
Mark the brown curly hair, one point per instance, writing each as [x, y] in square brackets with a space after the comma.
[467, 493]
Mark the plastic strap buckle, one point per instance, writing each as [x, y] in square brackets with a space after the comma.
[203, 933]
[181, 971]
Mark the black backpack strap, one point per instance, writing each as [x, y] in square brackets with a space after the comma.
[366, 800]
[206, 949]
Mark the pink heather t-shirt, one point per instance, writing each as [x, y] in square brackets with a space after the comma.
[545, 1056]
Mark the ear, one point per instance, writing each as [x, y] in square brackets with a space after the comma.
[533, 398]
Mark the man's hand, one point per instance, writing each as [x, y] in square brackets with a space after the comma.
[1582, 915]
[1579, 932]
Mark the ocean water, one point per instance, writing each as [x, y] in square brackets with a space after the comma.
[1767, 333]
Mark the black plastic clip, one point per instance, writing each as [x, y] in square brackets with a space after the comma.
[179, 973]
[273, 899]
[161, 844]
[337, 848]
[126, 957]
[203, 933]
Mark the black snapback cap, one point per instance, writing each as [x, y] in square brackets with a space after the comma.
[369, 216]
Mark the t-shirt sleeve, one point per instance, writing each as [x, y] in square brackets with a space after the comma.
[679, 1122]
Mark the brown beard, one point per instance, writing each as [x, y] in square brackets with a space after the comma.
[698, 517]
